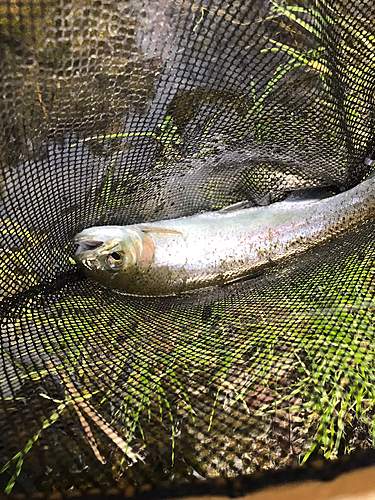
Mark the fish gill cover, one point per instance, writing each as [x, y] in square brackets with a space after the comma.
[125, 112]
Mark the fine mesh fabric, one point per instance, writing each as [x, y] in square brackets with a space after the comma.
[119, 112]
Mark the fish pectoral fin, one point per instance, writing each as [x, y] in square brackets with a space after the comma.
[158, 230]
[236, 206]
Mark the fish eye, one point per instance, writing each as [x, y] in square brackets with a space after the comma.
[115, 260]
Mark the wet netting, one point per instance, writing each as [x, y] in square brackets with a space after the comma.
[126, 112]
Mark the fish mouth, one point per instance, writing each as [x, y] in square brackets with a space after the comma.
[93, 238]
[85, 246]
[88, 241]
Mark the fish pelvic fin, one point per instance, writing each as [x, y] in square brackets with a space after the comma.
[235, 207]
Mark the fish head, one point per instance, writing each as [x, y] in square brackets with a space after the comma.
[114, 254]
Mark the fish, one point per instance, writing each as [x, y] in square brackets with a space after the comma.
[175, 256]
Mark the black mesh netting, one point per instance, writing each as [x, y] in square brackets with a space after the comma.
[119, 112]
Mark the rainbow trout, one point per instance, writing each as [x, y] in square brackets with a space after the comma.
[173, 256]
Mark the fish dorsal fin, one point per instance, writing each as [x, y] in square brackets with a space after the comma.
[158, 230]
[310, 194]
[236, 206]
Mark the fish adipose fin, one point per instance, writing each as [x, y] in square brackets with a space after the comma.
[158, 230]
